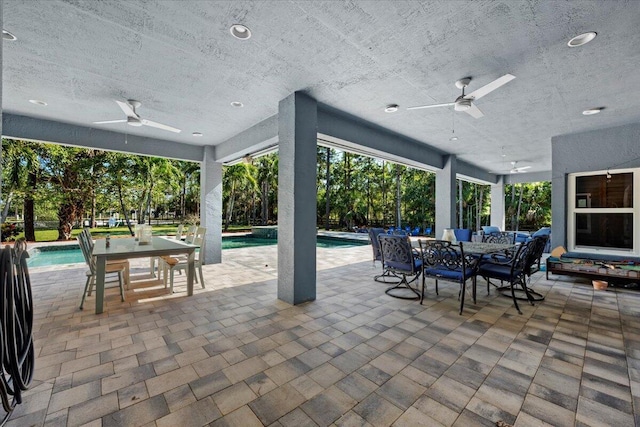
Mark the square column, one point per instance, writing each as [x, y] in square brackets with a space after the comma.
[446, 195]
[211, 205]
[297, 135]
[497, 203]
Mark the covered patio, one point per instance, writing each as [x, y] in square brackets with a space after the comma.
[234, 355]
[291, 335]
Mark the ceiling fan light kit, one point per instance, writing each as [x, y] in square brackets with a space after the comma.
[134, 121]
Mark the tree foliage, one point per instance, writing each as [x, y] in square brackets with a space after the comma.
[70, 185]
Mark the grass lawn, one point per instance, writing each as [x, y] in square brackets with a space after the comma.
[51, 235]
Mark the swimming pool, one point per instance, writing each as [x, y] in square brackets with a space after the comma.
[70, 254]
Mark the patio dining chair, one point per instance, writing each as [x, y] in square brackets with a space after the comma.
[387, 276]
[504, 237]
[171, 264]
[179, 232]
[399, 258]
[511, 267]
[89, 240]
[443, 260]
[152, 260]
[118, 268]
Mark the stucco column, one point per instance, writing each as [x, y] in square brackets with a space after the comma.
[211, 205]
[497, 203]
[297, 136]
[446, 195]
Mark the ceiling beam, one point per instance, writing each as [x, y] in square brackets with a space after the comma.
[256, 138]
[48, 131]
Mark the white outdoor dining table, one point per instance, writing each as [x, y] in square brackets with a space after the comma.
[130, 248]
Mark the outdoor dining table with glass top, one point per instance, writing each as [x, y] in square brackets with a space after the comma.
[131, 248]
[477, 248]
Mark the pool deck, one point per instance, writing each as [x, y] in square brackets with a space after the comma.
[235, 355]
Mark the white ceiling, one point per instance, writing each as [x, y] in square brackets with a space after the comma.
[179, 59]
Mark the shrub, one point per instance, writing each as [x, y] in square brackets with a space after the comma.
[10, 231]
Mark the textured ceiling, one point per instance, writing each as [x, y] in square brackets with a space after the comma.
[180, 60]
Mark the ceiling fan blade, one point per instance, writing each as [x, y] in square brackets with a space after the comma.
[479, 93]
[159, 126]
[431, 106]
[126, 108]
[520, 169]
[104, 122]
[474, 111]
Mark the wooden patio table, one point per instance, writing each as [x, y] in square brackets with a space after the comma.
[131, 248]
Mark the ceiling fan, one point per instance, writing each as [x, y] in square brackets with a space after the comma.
[134, 119]
[515, 169]
[465, 102]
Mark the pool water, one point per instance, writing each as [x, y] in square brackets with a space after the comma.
[71, 254]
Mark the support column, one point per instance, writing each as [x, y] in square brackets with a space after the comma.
[211, 205]
[497, 203]
[1, 62]
[446, 195]
[297, 136]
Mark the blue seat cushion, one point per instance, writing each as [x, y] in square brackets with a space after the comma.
[463, 234]
[447, 273]
[522, 237]
[496, 271]
[487, 229]
[544, 231]
[600, 257]
[503, 259]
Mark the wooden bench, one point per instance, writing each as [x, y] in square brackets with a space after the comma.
[610, 271]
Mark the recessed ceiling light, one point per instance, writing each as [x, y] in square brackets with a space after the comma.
[8, 36]
[240, 31]
[391, 108]
[453, 138]
[197, 134]
[592, 111]
[38, 102]
[237, 104]
[582, 39]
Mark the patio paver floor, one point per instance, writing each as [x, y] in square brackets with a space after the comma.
[234, 355]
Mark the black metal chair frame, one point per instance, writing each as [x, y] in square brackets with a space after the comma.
[504, 237]
[445, 256]
[397, 249]
[377, 256]
[518, 264]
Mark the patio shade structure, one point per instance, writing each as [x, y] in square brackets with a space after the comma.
[328, 70]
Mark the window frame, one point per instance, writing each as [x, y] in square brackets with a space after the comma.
[572, 210]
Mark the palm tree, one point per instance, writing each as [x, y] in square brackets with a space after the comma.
[237, 177]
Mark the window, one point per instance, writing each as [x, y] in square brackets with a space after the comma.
[603, 212]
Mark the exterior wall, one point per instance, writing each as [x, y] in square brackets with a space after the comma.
[611, 148]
